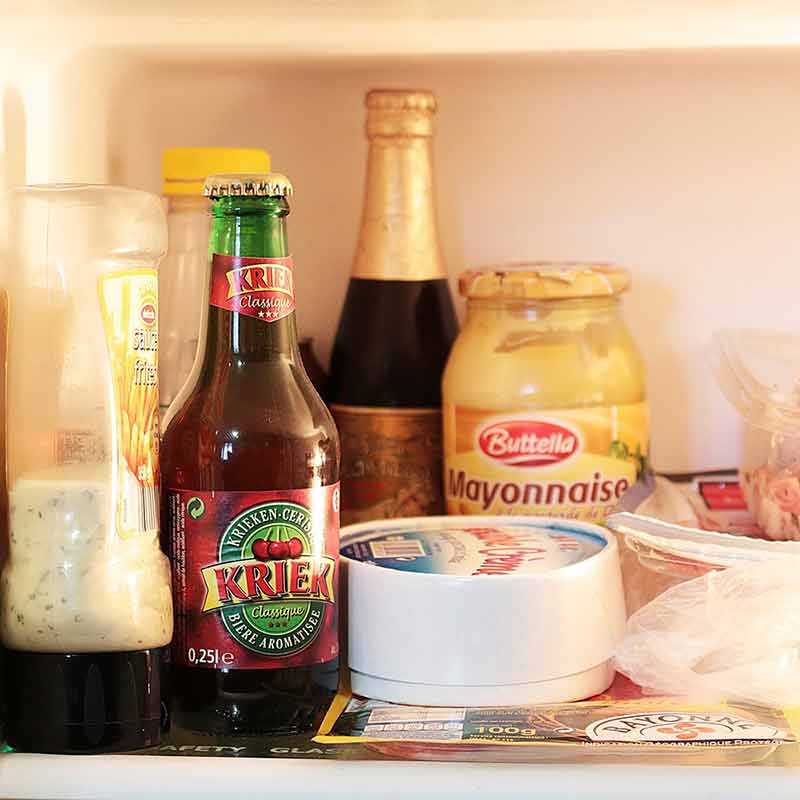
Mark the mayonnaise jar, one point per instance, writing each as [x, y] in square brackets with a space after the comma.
[544, 394]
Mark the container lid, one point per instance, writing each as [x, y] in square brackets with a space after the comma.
[83, 702]
[184, 169]
[543, 280]
[68, 224]
[482, 610]
[759, 373]
[268, 184]
[453, 549]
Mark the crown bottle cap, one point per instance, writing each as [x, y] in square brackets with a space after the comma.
[270, 184]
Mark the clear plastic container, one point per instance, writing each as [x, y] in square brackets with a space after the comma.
[85, 590]
[183, 276]
[183, 279]
[759, 373]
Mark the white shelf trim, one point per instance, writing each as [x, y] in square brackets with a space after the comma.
[382, 28]
[34, 777]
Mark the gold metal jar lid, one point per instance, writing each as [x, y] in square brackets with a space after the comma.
[268, 184]
[542, 280]
[400, 112]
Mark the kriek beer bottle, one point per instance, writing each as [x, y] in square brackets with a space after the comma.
[250, 470]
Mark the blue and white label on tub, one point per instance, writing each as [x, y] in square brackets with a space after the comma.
[501, 549]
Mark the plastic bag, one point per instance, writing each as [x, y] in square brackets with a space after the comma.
[730, 634]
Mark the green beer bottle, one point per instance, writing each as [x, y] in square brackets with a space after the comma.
[250, 471]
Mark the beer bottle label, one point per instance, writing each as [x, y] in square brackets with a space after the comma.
[262, 288]
[391, 462]
[255, 577]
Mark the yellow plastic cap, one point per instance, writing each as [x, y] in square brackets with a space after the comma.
[185, 169]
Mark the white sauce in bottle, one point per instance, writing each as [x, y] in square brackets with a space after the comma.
[71, 583]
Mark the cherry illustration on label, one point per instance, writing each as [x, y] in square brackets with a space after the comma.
[275, 550]
[261, 549]
[278, 550]
[295, 547]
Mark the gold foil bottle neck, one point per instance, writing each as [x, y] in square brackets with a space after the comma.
[401, 99]
[398, 239]
[400, 112]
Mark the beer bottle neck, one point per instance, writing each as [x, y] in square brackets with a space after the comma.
[398, 239]
[249, 228]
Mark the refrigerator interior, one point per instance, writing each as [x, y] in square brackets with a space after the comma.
[615, 139]
[658, 136]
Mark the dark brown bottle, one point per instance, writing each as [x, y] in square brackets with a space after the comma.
[250, 470]
[397, 324]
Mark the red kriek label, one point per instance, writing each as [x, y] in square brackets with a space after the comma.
[255, 577]
[262, 288]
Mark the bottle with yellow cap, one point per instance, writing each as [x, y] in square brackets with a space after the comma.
[183, 276]
[397, 324]
[544, 394]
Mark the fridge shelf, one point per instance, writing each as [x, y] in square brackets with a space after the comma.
[302, 772]
[360, 28]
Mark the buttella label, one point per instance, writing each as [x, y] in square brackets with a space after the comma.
[569, 463]
[262, 288]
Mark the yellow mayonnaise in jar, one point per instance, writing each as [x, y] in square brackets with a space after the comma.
[544, 394]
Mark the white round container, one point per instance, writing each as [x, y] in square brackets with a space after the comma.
[481, 611]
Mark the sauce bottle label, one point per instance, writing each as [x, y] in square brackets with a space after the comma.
[129, 308]
[568, 463]
[255, 577]
[262, 288]
[391, 462]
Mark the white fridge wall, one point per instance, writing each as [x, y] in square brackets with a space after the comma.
[682, 166]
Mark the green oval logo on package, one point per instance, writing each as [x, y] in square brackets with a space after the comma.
[269, 587]
[196, 508]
